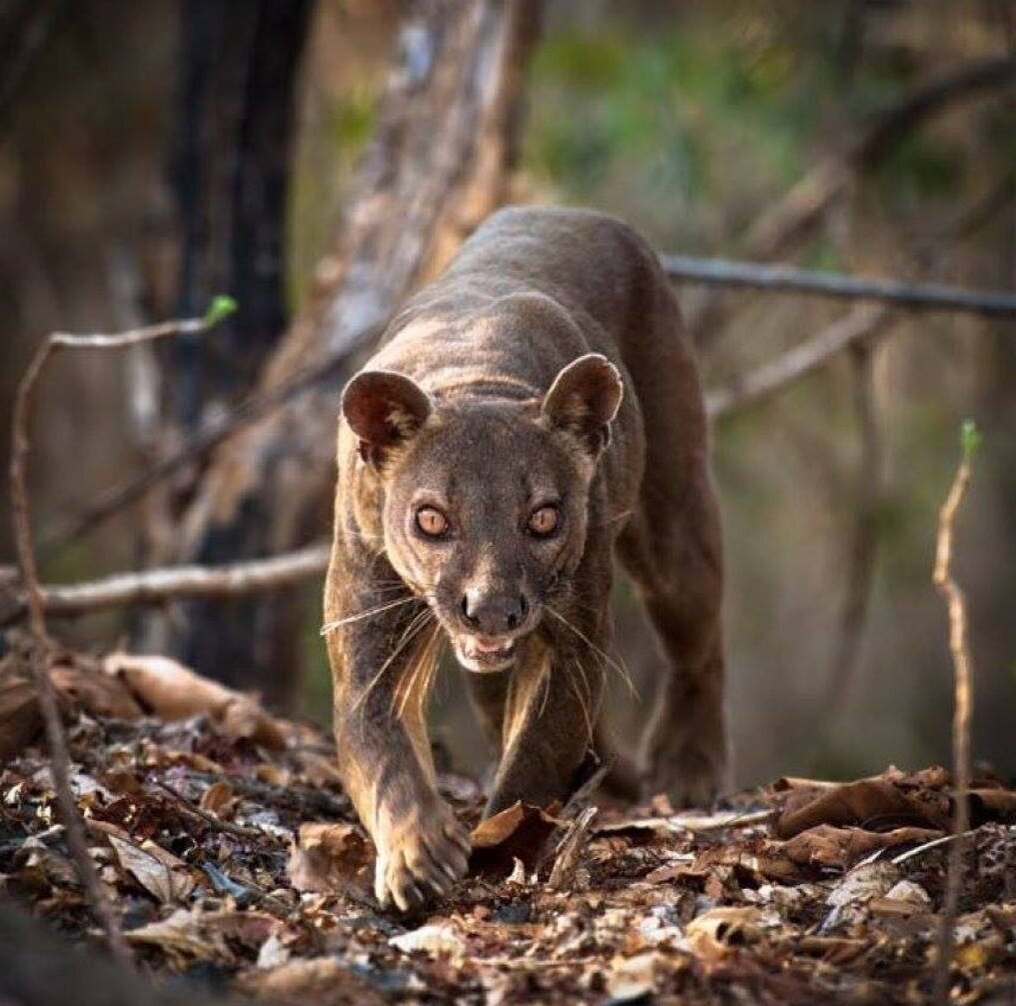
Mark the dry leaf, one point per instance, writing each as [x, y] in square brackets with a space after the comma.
[517, 832]
[159, 872]
[438, 940]
[730, 926]
[329, 857]
[873, 804]
[850, 897]
[217, 798]
[174, 692]
[183, 937]
[827, 846]
[320, 981]
[632, 978]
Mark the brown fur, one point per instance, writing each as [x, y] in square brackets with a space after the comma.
[547, 366]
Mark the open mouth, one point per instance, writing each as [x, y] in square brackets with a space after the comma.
[484, 653]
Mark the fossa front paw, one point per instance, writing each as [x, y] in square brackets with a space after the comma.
[420, 856]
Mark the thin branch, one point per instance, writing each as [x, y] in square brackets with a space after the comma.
[236, 830]
[35, 604]
[156, 586]
[861, 324]
[794, 216]
[959, 647]
[804, 204]
[254, 407]
[791, 279]
[569, 848]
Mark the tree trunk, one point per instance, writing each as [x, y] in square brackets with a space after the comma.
[438, 164]
[230, 174]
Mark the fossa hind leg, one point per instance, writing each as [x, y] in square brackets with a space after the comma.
[672, 550]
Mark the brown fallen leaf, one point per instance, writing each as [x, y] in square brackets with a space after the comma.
[159, 872]
[992, 805]
[172, 691]
[828, 846]
[438, 939]
[517, 832]
[320, 981]
[329, 857]
[217, 798]
[183, 938]
[868, 803]
[20, 719]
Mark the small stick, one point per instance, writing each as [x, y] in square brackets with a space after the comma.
[569, 848]
[156, 586]
[39, 660]
[696, 823]
[926, 846]
[964, 701]
[237, 830]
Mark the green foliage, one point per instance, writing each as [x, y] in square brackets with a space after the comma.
[920, 168]
[660, 126]
[221, 307]
[970, 439]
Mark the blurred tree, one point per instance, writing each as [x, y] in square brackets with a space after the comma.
[229, 167]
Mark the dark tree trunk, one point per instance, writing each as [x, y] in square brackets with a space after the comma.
[438, 164]
[230, 173]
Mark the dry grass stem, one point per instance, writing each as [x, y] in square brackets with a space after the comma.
[963, 708]
[35, 603]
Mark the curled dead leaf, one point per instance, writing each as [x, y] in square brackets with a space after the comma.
[170, 690]
[159, 872]
[827, 846]
[329, 857]
[517, 832]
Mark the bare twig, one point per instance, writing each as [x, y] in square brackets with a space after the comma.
[964, 702]
[791, 279]
[808, 199]
[236, 830]
[697, 823]
[861, 324]
[569, 848]
[924, 847]
[35, 603]
[155, 586]
[254, 407]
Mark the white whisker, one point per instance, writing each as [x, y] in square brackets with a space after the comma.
[620, 668]
[360, 615]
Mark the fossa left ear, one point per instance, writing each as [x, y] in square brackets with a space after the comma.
[584, 399]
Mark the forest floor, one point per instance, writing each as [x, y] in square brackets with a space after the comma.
[234, 859]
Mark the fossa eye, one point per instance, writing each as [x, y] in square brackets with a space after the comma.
[432, 522]
[543, 521]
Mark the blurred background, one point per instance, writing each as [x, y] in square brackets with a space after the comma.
[316, 160]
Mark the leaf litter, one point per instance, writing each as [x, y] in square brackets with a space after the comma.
[227, 843]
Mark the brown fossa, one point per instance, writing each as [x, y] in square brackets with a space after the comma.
[532, 414]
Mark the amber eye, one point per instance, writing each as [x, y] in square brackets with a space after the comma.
[543, 521]
[431, 522]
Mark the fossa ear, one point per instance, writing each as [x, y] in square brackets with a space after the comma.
[384, 409]
[584, 399]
